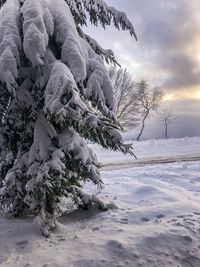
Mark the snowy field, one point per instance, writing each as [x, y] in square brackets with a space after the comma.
[156, 149]
[153, 220]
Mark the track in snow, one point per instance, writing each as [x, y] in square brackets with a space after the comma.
[148, 161]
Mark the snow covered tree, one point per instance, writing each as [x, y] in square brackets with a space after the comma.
[54, 93]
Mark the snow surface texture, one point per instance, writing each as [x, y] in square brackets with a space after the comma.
[153, 220]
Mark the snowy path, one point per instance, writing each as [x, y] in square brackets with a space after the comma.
[149, 161]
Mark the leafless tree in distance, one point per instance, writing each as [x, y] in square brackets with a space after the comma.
[166, 117]
[126, 97]
[149, 99]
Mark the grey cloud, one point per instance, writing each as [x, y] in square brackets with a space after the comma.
[165, 29]
[169, 31]
[183, 71]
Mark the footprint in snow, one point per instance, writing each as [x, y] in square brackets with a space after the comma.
[112, 206]
[21, 244]
[61, 239]
[196, 213]
[114, 244]
[144, 219]
[160, 216]
[95, 228]
[188, 238]
[124, 220]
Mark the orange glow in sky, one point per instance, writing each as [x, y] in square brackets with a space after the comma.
[185, 94]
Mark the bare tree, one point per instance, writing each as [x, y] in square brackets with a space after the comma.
[167, 117]
[149, 100]
[126, 97]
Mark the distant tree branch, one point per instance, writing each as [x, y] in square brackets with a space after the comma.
[126, 97]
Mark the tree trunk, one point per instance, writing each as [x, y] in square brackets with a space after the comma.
[49, 205]
[143, 124]
[166, 131]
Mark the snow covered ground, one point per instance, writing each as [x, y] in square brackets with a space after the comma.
[153, 220]
[148, 149]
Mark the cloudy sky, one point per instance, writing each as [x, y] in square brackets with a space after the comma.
[167, 55]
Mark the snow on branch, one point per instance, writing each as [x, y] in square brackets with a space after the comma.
[76, 150]
[65, 106]
[65, 155]
[98, 85]
[72, 52]
[4, 100]
[85, 65]
[107, 54]
[10, 44]
[100, 11]
[37, 27]
[77, 11]
[43, 133]
[56, 149]
[14, 184]
[61, 90]
[83, 199]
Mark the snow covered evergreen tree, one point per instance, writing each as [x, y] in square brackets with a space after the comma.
[54, 93]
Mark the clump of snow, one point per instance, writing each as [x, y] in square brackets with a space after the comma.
[36, 37]
[62, 80]
[108, 14]
[99, 87]
[71, 142]
[43, 134]
[10, 44]
[66, 34]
